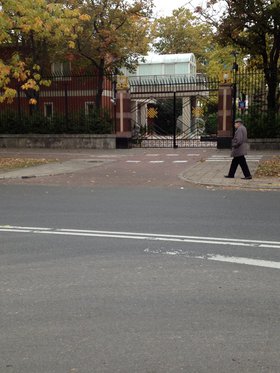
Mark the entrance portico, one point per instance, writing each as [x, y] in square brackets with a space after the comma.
[169, 80]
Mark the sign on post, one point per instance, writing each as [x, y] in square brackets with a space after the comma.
[226, 77]
[122, 83]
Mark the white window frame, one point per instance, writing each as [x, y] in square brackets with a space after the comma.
[45, 109]
[58, 67]
[87, 103]
[169, 69]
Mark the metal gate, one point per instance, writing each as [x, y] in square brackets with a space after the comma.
[176, 111]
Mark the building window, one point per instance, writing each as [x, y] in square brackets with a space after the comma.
[48, 110]
[169, 69]
[61, 70]
[89, 107]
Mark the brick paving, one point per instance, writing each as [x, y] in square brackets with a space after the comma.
[136, 167]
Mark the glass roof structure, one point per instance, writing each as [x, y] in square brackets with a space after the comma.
[165, 74]
[165, 65]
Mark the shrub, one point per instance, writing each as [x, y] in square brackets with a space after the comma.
[262, 124]
[96, 123]
[211, 124]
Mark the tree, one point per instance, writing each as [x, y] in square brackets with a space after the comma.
[254, 27]
[183, 33]
[29, 33]
[114, 36]
[220, 59]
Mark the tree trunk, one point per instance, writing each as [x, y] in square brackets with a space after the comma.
[271, 80]
[100, 81]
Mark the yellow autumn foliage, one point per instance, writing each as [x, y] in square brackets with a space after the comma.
[71, 44]
[84, 17]
[37, 77]
[41, 20]
[45, 82]
[269, 168]
[32, 101]
[30, 84]
[8, 95]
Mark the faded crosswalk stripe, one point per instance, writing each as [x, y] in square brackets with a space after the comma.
[227, 158]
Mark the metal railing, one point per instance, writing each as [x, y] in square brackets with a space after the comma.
[253, 104]
[68, 104]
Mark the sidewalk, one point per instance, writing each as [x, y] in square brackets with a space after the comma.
[50, 169]
[212, 173]
[208, 171]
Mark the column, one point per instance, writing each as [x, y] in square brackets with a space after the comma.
[123, 119]
[224, 134]
[186, 115]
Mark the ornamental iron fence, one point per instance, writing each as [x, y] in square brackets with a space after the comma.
[258, 103]
[74, 104]
[67, 105]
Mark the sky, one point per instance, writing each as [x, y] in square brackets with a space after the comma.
[165, 7]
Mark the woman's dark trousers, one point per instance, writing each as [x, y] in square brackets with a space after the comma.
[243, 164]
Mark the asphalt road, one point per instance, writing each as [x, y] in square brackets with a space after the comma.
[138, 279]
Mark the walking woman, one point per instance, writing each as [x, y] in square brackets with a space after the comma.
[239, 150]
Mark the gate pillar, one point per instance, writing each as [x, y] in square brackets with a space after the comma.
[224, 134]
[123, 119]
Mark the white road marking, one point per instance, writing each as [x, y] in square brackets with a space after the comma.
[247, 156]
[155, 162]
[247, 261]
[172, 155]
[107, 156]
[145, 236]
[152, 155]
[28, 229]
[163, 237]
[219, 258]
[15, 230]
[227, 158]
